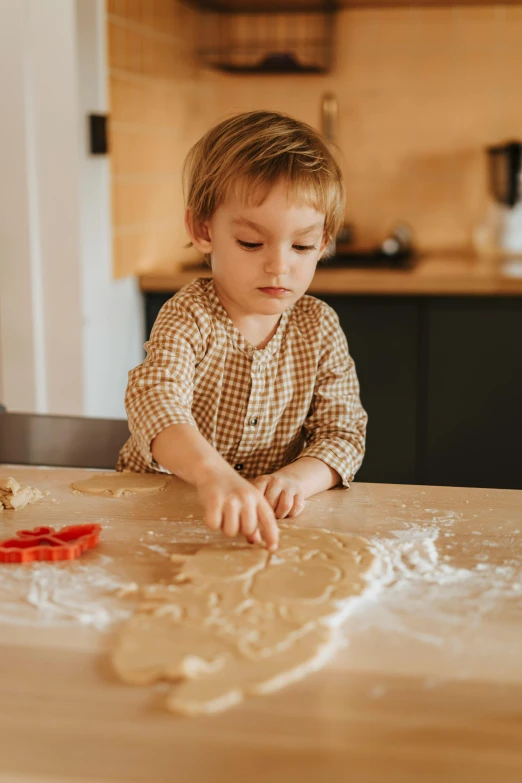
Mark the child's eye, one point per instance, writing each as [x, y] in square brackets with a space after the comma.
[249, 245]
[304, 248]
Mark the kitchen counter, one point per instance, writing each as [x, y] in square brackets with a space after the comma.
[429, 686]
[433, 275]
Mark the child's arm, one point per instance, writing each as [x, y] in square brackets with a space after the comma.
[230, 502]
[159, 410]
[335, 430]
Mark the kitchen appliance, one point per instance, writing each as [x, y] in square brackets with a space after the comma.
[500, 233]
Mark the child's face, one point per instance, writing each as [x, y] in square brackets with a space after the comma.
[263, 257]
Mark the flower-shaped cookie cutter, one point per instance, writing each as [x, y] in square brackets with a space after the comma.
[46, 543]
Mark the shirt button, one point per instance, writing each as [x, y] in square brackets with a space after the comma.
[253, 421]
[239, 466]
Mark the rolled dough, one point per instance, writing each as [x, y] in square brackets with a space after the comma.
[237, 621]
[119, 484]
[16, 496]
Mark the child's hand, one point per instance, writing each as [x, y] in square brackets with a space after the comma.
[283, 492]
[233, 505]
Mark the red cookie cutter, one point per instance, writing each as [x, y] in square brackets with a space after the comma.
[46, 543]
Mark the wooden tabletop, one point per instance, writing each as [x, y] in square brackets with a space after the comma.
[428, 687]
[439, 274]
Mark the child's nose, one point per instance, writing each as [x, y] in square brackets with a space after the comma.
[276, 263]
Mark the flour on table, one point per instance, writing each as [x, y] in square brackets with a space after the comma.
[431, 600]
[237, 621]
[119, 484]
[80, 592]
[15, 496]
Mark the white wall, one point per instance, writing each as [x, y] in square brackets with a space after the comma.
[68, 332]
[113, 321]
[39, 274]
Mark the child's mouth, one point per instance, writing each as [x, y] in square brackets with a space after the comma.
[274, 291]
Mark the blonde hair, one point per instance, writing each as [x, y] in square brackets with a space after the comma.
[250, 153]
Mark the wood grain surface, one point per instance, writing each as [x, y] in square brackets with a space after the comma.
[428, 687]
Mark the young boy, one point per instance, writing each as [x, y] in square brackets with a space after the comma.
[248, 391]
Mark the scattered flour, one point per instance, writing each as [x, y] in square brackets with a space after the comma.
[425, 597]
[50, 594]
[161, 550]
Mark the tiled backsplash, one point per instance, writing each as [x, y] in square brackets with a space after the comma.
[159, 107]
[421, 92]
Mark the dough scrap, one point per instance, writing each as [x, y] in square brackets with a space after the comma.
[16, 496]
[119, 484]
[237, 621]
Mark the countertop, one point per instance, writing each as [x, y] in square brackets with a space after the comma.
[428, 686]
[439, 274]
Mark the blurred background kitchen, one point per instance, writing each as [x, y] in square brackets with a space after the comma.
[101, 100]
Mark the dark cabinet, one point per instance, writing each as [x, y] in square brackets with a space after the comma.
[441, 379]
[153, 304]
[472, 393]
[383, 338]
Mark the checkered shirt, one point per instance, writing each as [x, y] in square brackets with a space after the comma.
[260, 408]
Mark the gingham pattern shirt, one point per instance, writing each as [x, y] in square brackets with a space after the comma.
[260, 408]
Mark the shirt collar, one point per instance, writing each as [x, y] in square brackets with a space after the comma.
[237, 338]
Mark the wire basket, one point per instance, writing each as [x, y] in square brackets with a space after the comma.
[268, 42]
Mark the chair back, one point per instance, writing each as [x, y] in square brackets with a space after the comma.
[61, 441]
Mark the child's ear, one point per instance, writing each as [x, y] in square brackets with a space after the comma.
[198, 232]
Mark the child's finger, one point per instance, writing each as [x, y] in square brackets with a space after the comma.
[248, 517]
[273, 491]
[214, 515]
[231, 520]
[299, 504]
[284, 504]
[255, 538]
[268, 525]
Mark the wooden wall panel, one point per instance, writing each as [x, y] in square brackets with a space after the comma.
[158, 105]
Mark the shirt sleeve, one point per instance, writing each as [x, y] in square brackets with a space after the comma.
[335, 428]
[159, 391]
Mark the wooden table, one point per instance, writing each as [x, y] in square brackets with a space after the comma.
[429, 687]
